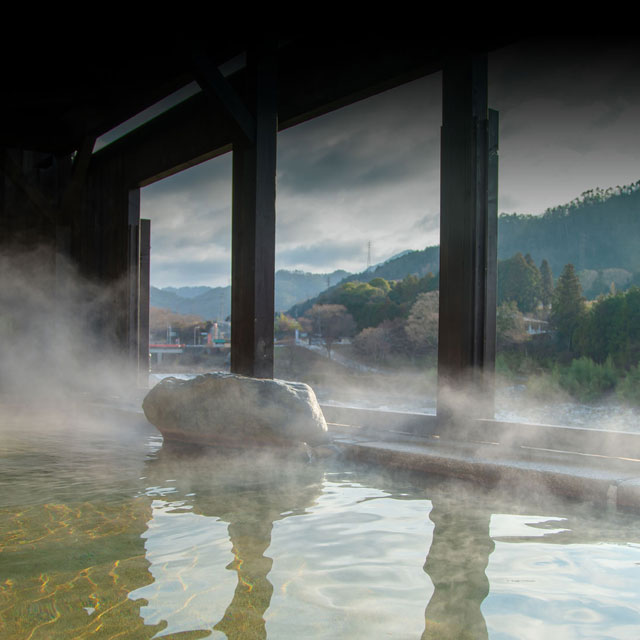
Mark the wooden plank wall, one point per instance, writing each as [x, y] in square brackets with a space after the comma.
[104, 248]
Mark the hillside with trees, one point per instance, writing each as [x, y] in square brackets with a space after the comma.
[417, 263]
[371, 303]
[597, 231]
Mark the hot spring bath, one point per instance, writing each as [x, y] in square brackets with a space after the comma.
[105, 533]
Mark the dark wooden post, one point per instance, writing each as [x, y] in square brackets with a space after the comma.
[466, 346]
[134, 274]
[143, 303]
[491, 266]
[253, 227]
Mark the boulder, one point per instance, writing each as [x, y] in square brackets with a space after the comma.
[228, 410]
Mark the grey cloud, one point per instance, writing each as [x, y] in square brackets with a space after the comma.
[428, 223]
[387, 138]
[507, 203]
[212, 175]
[347, 255]
[210, 273]
[199, 241]
[358, 161]
[610, 116]
[568, 118]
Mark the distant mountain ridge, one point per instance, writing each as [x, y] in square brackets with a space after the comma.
[187, 292]
[215, 302]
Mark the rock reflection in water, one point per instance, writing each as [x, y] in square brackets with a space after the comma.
[249, 491]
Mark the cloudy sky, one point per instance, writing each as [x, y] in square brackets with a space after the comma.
[569, 121]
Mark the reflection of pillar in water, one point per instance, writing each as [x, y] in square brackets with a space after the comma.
[244, 617]
[456, 564]
[250, 490]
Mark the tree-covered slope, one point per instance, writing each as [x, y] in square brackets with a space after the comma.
[599, 230]
[417, 263]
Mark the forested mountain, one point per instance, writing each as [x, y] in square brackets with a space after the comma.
[215, 302]
[408, 263]
[296, 286]
[187, 292]
[417, 263]
[599, 230]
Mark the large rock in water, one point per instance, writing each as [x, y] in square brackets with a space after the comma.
[229, 410]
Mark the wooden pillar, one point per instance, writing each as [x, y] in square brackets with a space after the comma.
[491, 266]
[134, 274]
[466, 346]
[143, 303]
[139, 284]
[253, 227]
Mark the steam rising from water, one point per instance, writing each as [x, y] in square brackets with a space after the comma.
[414, 390]
[54, 331]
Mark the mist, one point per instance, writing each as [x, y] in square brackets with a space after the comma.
[56, 333]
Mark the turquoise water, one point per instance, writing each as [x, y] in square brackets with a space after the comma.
[106, 533]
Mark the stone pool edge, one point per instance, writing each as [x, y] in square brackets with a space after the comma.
[602, 480]
[611, 483]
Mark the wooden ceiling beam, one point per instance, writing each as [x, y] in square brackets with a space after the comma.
[220, 92]
[313, 79]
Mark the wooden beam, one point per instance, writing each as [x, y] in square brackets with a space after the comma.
[216, 87]
[189, 133]
[253, 228]
[313, 79]
[467, 244]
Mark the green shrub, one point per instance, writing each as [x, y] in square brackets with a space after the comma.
[628, 388]
[586, 380]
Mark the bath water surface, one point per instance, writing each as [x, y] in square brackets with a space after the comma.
[107, 533]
